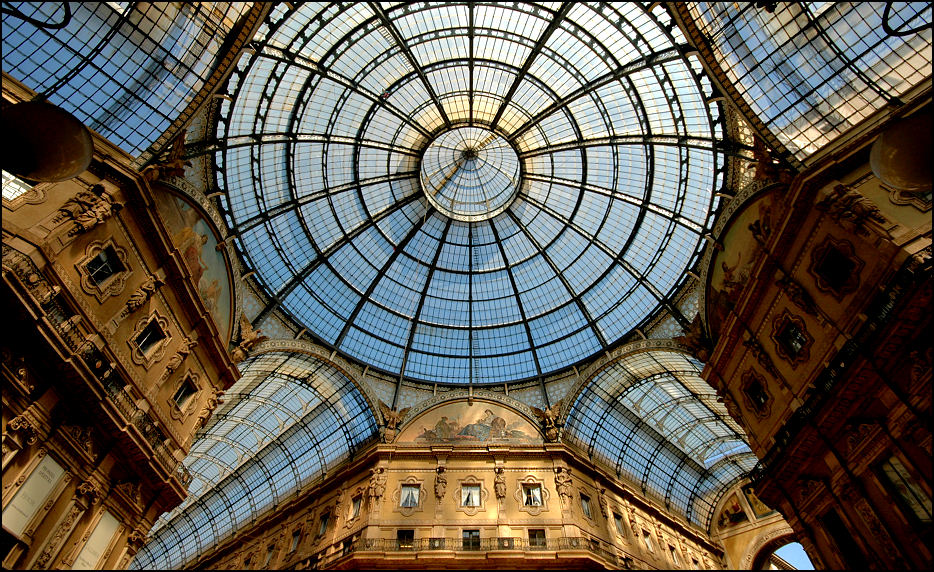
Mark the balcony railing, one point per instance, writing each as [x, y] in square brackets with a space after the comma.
[65, 323]
[338, 550]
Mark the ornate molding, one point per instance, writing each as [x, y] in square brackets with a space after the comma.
[397, 496]
[518, 495]
[457, 495]
[851, 209]
[785, 320]
[155, 354]
[115, 284]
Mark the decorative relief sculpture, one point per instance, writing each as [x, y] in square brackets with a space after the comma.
[25, 426]
[391, 419]
[499, 483]
[249, 338]
[758, 352]
[797, 294]
[143, 294]
[604, 504]
[184, 348]
[563, 485]
[376, 486]
[846, 205]
[173, 165]
[213, 401]
[441, 483]
[695, 340]
[550, 419]
[87, 209]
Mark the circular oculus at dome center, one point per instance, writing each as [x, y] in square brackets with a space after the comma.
[470, 174]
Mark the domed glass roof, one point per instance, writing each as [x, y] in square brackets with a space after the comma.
[469, 193]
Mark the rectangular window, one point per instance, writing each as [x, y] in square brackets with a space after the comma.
[674, 555]
[470, 495]
[103, 266]
[532, 495]
[585, 505]
[323, 523]
[269, 552]
[247, 562]
[536, 538]
[649, 543]
[296, 536]
[471, 539]
[405, 539]
[184, 392]
[618, 519]
[355, 506]
[905, 488]
[409, 497]
[151, 335]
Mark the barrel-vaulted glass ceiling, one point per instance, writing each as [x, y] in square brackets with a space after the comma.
[652, 418]
[812, 70]
[289, 420]
[469, 192]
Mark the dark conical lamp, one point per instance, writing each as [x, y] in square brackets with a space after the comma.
[45, 143]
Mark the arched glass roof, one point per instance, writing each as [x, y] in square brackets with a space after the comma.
[124, 69]
[283, 425]
[812, 70]
[563, 234]
[653, 418]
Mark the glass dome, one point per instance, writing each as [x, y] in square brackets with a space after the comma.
[469, 193]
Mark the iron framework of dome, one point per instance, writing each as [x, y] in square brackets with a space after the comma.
[571, 219]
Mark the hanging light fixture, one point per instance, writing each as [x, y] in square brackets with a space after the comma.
[48, 143]
[901, 156]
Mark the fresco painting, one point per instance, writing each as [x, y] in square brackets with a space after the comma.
[480, 422]
[195, 240]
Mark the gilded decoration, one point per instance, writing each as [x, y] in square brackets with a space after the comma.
[155, 353]
[110, 286]
[837, 288]
[524, 495]
[461, 423]
[409, 496]
[470, 495]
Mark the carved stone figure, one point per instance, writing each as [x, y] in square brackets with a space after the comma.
[550, 418]
[845, 204]
[213, 401]
[604, 504]
[695, 340]
[88, 209]
[249, 338]
[392, 419]
[499, 483]
[176, 360]
[563, 485]
[173, 165]
[377, 485]
[441, 483]
[143, 293]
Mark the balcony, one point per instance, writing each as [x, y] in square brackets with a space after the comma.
[572, 552]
